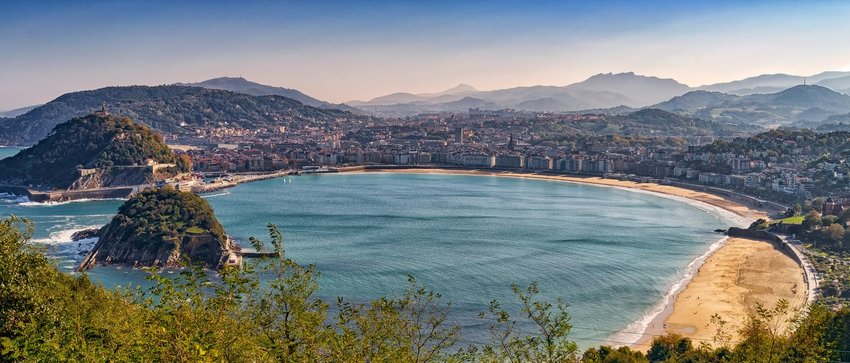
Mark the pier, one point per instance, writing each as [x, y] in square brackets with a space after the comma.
[231, 180]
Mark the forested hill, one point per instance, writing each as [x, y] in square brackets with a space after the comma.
[161, 227]
[169, 109]
[90, 142]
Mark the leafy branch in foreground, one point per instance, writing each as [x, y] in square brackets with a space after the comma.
[547, 342]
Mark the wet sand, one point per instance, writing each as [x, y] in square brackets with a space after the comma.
[730, 283]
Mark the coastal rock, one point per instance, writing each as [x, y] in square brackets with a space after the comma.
[84, 234]
[163, 228]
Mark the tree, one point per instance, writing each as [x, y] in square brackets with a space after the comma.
[827, 220]
[817, 203]
[548, 343]
[762, 337]
[844, 217]
[796, 209]
[606, 354]
[669, 348]
[812, 220]
[184, 163]
[835, 233]
[46, 315]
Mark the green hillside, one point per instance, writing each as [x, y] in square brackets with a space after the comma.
[150, 229]
[169, 109]
[88, 142]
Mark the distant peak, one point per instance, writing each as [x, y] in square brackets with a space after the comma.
[225, 79]
[808, 87]
[462, 87]
[619, 75]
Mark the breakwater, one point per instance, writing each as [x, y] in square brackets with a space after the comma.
[68, 195]
[234, 180]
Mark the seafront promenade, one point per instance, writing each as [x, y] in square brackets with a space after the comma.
[236, 179]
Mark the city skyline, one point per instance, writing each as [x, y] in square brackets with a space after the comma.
[340, 52]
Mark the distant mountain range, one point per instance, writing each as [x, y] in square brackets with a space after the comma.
[772, 83]
[602, 91]
[242, 85]
[798, 103]
[170, 109]
[777, 99]
[17, 111]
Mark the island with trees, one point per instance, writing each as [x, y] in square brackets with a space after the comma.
[164, 228]
[98, 151]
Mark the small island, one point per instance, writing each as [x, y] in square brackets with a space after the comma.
[163, 227]
[96, 156]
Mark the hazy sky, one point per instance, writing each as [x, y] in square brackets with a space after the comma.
[344, 50]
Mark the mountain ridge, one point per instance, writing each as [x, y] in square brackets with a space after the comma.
[798, 103]
[603, 90]
[242, 85]
[170, 109]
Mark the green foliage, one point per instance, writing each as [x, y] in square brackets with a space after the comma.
[184, 163]
[812, 220]
[267, 312]
[669, 348]
[164, 108]
[792, 146]
[87, 142]
[50, 316]
[548, 342]
[606, 354]
[160, 217]
[792, 220]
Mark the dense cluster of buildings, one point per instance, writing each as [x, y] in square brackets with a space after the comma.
[490, 139]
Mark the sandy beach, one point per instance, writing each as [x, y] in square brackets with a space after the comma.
[728, 282]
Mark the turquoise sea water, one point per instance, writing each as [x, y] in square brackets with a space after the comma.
[7, 151]
[611, 254]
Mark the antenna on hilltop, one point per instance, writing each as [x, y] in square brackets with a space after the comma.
[804, 81]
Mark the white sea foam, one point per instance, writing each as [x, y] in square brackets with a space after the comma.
[215, 195]
[53, 204]
[636, 330]
[61, 245]
[13, 198]
[62, 236]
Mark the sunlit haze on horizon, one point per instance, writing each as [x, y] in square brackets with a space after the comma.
[341, 51]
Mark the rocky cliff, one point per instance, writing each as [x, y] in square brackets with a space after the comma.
[163, 228]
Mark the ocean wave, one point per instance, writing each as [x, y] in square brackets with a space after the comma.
[63, 236]
[636, 330]
[13, 198]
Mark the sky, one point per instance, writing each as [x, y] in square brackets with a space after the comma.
[356, 50]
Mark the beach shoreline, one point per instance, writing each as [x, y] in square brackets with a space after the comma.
[676, 313]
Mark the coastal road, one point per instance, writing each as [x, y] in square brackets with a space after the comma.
[808, 269]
